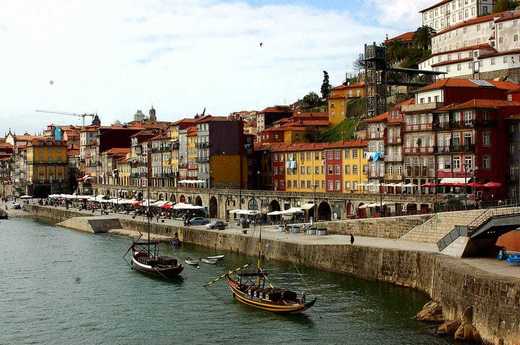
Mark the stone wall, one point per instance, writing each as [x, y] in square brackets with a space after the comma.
[455, 285]
[391, 227]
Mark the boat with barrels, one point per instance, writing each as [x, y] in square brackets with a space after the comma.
[146, 259]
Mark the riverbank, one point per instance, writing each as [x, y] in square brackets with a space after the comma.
[458, 287]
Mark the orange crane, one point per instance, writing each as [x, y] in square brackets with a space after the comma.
[68, 114]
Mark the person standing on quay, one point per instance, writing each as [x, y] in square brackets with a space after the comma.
[351, 239]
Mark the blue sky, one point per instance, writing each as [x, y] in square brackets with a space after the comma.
[114, 57]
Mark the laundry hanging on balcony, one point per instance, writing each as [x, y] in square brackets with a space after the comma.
[374, 156]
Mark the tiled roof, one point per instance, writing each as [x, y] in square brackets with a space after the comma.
[508, 15]
[192, 131]
[436, 5]
[117, 151]
[406, 37]
[282, 147]
[481, 104]
[467, 83]
[211, 118]
[277, 109]
[517, 90]
[379, 118]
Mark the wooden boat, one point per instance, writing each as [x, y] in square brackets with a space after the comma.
[271, 299]
[209, 261]
[192, 262]
[145, 259]
[145, 254]
[253, 289]
[216, 257]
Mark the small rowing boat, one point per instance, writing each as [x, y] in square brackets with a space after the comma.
[191, 262]
[209, 261]
[216, 257]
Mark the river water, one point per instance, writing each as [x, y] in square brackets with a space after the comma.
[64, 287]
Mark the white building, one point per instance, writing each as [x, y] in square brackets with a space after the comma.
[484, 48]
[448, 13]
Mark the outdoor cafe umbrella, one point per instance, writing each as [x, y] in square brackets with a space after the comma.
[492, 185]
[474, 185]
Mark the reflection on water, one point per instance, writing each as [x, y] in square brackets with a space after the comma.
[64, 287]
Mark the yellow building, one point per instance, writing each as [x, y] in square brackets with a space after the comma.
[355, 167]
[123, 167]
[192, 153]
[304, 170]
[221, 174]
[338, 100]
[47, 168]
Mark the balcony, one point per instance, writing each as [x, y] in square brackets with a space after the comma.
[203, 145]
[393, 177]
[202, 159]
[394, 158]
[393, 140]
[411, 108]
[419, 172]
[419, 127]
[419, 150]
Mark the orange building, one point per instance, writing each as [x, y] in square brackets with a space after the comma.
[338, 100]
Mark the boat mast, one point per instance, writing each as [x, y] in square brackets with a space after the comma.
[148, 173]
[259, 260]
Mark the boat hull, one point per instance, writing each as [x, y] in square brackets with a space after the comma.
[244, 298]
[165, 272]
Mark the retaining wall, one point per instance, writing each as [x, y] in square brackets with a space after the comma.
[495, 299]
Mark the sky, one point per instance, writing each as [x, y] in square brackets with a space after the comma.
[181, 56]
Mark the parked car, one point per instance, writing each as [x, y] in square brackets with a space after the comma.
[216, 224]
[198, 221]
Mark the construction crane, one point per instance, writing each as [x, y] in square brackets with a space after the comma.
[69, 114]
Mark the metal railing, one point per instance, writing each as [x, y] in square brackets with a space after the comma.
[483, 218]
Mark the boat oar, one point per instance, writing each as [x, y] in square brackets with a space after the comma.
[224, 275]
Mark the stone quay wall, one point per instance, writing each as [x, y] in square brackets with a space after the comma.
[390, 227]
[456, 286]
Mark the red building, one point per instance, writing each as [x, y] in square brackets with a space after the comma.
[278, 161]
[333, 168]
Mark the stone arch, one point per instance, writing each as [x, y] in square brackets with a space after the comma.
[198, 201]
[324, 211]
[161, 196]
[252, 204]
[411, 208]
[182, 198]
[274, 205]
[361, 212]
[213, 207]
[349, 208]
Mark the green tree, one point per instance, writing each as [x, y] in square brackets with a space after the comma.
[310, 101]
[359, 63]
[423, 38]
[504, 5]
[325, 86]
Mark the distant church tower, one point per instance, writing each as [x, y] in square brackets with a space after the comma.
[96, 121]
[152, 116]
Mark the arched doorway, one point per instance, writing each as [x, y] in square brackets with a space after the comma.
[349, 209]
[172, 198]
[182, 199]
[324, 211]
[252, 204]
[411, 209]
[140, 196]
[361, 210]
[274, 206]
[190, 200]
[213, 207]
[161, 196]
[198, 201]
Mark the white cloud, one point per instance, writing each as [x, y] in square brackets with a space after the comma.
[400, 13]
[113, 57]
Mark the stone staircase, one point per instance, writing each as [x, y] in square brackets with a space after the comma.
[440, 225]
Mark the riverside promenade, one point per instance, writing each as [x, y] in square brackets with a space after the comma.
[481, 288]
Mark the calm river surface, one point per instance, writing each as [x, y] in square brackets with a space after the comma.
[64, 287]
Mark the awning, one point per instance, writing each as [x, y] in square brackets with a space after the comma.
[183, 206]
[307, 206]
[191, 182]
[492, 185]
[454, 181]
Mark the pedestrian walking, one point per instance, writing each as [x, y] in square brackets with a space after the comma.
[351, 239]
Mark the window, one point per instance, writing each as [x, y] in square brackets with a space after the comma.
[330, 170]
[308, 184]
[347, 185]
[337, 169]
[365, 169]
[354, 169]
[330, 186]
[486, 139]
[337, 155]
[456, 163]
[354, 153]
[347, 153]
[468, 164]
[486, 162]
[302, 170]
[316, 170]
[347, 169]
[338, 186]
[289, 184]
[493, 61]
[309, 170]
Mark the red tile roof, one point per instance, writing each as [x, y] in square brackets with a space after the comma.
[117, 151]
[481, 104]
[379, 118]
[406, 37]
[277, 109]
[192, 131]
[467, 83]
[282, 147]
